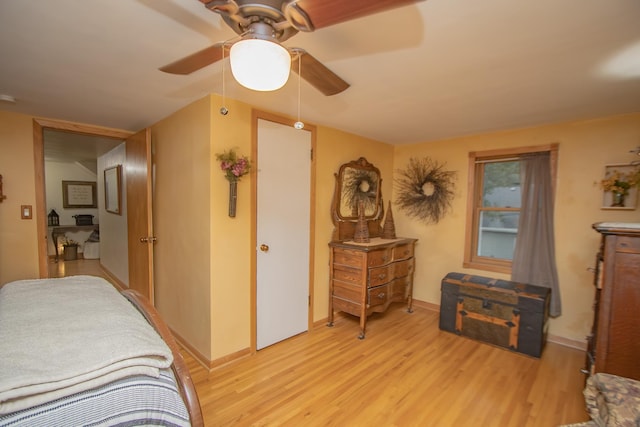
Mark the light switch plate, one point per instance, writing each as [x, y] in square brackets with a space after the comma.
[25, 212]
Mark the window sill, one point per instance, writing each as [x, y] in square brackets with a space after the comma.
[496, 268]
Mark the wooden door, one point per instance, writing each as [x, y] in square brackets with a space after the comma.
[139, 219]
[283, 232]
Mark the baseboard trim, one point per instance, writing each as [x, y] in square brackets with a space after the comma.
[567, 342]
[113, 279]
[205, 361]
[426, 305]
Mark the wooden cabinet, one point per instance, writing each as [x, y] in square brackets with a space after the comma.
[614, 344]
[367, 277]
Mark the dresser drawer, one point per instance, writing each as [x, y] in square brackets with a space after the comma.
[380, 257]
[397, 290]
[347, 257]
[379, 295]
[347, 274]
[403, 268]
[403, 252]
[381, 275]
[400, 288]
[628, 244]
[347, 291]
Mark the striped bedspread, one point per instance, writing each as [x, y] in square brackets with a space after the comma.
[139, 400]
[63, 337]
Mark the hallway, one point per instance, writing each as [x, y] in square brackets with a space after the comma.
[76, 267]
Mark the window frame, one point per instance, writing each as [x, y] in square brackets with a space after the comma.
[474, 200]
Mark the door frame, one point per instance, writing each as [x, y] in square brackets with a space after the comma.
[255, 116]
[39, 125]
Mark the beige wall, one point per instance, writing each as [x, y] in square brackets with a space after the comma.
[585, 147]
[209, 254]
[203, 256]
[181, 219]
[18, 237]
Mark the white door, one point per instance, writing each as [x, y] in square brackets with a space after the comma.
[283, 234]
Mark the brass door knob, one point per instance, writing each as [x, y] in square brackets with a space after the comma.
[264, 248]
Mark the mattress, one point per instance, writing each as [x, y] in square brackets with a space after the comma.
[137, 400]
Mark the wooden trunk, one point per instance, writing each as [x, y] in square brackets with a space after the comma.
[500, 312]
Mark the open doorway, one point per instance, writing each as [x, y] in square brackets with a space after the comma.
[64, 149]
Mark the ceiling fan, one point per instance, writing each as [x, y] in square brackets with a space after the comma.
[268, 23]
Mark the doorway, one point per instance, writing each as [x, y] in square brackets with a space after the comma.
[284, 220]
[54, 129]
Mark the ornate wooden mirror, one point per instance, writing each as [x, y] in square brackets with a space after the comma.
[357, 182]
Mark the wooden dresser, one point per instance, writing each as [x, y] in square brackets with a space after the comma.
[614, 343]
[367, 277]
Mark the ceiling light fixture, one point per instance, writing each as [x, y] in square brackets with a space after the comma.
[259, 62]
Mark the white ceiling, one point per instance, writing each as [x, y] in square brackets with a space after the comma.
[429, 71]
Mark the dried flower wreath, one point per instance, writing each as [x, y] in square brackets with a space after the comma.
[360, 186]
[425, 191]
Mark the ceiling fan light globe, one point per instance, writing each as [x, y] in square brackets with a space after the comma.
[260, 64]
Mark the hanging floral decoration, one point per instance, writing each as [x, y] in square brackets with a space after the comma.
[360, 186]
[425, 190]
[234, 166]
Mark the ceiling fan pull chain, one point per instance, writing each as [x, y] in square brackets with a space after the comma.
[223, 110]
[299, 125]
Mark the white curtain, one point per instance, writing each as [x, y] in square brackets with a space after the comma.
[534, 259]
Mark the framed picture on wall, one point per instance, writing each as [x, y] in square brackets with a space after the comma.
[112, 189]
[79, 194]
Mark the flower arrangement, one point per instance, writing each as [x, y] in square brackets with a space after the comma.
[69, 242]
[234, 166]
[619, 182]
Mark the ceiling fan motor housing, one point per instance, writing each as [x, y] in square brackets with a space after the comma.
[284, 17]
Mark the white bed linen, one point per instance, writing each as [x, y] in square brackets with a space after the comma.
[63, 336]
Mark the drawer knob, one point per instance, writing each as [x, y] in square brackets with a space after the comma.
[382, 276]
[381, 295]
[264, 248]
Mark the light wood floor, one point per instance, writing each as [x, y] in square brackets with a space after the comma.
[64, 268]
[406, 372]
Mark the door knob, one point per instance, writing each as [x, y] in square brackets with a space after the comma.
[264, 248]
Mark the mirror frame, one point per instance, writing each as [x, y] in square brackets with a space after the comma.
[113, 189]
[344, 225]
[350, 188]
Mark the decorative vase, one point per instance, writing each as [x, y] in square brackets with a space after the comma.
[618, 199]
[361, 234]
[233, 196]
[389, 228]
[70, 252]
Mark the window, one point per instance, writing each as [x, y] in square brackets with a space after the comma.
[493, 206]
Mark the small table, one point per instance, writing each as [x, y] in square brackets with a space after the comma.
[62, 230]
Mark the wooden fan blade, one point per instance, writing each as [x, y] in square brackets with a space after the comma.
[329, 12]
[196, 61]
[318, 76]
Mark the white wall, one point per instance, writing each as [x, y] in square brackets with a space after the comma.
[55, 173]
[113, 227]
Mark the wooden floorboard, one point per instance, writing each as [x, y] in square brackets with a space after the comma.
[406, 372]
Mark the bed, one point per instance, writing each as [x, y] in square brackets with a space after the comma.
[75, 351]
